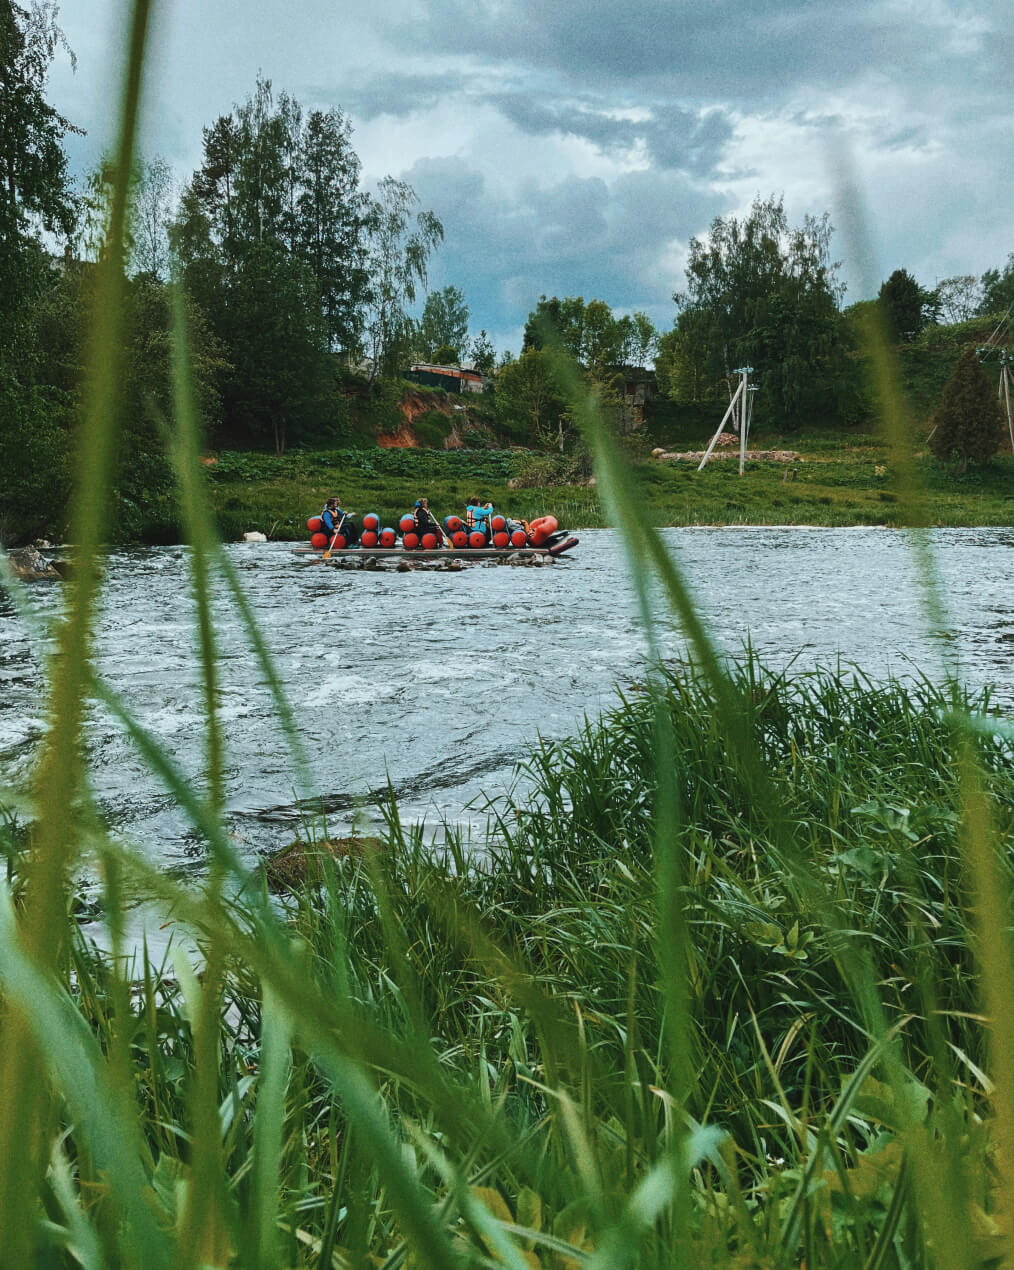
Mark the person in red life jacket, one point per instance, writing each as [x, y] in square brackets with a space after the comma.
[337, 521]
[426, 522]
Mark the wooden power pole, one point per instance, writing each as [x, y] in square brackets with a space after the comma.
[741, 411]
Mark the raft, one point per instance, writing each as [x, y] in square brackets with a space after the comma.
[503, 540]
[438, 553]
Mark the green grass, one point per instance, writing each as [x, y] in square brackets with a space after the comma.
[838, 481]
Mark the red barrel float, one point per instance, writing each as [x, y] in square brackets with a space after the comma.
[501, 539]
[368, 539]
[452, 524]
[410, 541]
[519, 538]
[339, 542]
[315, 524]
[407, 524]
[429, 542]
[459, 538]
[371, 521]
[388, 537]
[477, 538]
[498, 524]
[319, 540]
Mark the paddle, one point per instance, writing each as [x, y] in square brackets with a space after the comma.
[337, 530]
[439, 528]
[443, 534]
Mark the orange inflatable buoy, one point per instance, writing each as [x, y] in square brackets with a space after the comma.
[540, 529]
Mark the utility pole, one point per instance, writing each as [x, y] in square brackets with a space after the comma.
[1004, 390]
[741, 411]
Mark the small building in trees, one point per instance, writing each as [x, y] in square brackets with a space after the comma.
[639, 388]
[449, 378]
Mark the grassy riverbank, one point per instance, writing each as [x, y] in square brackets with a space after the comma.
[542, 1028]
[840, 479]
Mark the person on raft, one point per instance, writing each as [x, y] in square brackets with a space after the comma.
[477, 514]
[425, 521]
[337, 521]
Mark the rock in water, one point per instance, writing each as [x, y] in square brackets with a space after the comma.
[27, 563]
[255, 535]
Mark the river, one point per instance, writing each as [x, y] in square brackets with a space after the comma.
[437, 682]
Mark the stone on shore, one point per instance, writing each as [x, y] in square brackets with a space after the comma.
[301, 863]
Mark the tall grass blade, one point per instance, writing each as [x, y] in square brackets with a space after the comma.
[61, 776]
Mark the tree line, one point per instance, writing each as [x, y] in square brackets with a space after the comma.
[768, 295]
[299, 285]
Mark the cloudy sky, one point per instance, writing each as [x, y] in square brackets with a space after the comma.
[573, 147]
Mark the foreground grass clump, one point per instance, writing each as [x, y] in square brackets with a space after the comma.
[508, 1015]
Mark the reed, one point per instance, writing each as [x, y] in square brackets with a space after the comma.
[726, 988]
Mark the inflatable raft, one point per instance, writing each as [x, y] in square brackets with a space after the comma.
[500, 538]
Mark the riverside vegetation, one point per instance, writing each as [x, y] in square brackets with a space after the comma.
[841, 478]
[730, 988]
[301, 288]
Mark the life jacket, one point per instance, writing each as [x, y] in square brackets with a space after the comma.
[333, 520]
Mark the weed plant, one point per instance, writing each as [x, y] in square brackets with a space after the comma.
[730, 988]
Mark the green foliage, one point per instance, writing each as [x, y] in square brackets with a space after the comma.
[443, 326]
[998, 289]
[968, 424]
[762, 294]
[529, 405]
[35, 188]
[432, 428]
[401, 240]
[590, 333]
[35, 461]
[907, 307]
[483, 354]
[444, 355]
[958, 298]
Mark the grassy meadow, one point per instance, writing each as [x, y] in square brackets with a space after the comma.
[840, 479]
[730, 988]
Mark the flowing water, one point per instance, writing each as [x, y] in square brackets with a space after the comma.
[437, 682]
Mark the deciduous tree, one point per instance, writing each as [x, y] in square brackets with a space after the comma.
[959, 297]
[401, 240]
[763, 294]
[998, 288]
[444, 322]
[529, 402]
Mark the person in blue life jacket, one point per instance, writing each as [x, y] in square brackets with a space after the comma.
[478, 514]
[337, 521]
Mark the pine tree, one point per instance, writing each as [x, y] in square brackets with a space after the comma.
[968, 425]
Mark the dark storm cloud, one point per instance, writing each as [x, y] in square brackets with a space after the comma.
[398, 93]
[673, 137]
[722, 48]
[575, 236]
